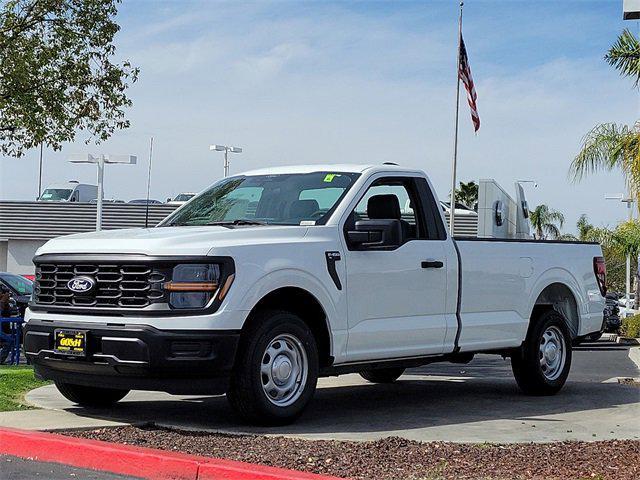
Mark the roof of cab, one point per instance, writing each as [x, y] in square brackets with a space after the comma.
[345, 168]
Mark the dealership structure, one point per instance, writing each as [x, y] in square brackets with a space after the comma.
[25, 226]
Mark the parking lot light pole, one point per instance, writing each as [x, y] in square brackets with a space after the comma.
[226, 149]
[629, 201]
[100, 162]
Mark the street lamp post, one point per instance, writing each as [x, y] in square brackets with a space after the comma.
[100, 162]
[226, 149]
[629, 201]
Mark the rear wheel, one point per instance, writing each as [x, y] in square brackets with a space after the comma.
[382, 375]
[542, 364]
[276, 369]
[90, 396]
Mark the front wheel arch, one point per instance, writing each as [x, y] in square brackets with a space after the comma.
[305, 305]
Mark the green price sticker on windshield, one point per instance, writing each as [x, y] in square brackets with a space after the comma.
[330, 176]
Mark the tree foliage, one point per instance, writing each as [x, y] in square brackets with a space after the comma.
[57, 74]
[615, 245]
[607, 147]
[546, 222]
[624, 56]
[467, 194]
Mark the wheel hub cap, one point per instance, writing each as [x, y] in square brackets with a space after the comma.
[281, 369]
[553, 353]
[284, 370]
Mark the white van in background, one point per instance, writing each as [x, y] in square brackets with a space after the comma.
[72, 191]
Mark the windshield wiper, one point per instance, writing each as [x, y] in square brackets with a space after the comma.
[228, 223]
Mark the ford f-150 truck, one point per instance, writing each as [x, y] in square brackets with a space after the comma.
[270, 279]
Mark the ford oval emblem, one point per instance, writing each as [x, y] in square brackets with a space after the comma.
[81, 285]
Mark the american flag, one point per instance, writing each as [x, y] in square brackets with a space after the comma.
[464, 73]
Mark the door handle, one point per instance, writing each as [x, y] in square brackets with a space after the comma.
[432, 264]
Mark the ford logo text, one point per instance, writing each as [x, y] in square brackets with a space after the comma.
[81, 285]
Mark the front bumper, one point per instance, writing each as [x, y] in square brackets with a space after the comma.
[136, 357]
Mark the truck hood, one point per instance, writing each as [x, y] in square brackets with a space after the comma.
[205, 240]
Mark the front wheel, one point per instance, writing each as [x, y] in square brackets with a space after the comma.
[541, 366]
[90, 396]
[276, 370]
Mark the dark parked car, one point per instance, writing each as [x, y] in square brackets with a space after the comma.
[612, 320]
[20, 289]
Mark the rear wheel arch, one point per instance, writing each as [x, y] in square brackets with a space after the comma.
[305, 305]
[559, 297]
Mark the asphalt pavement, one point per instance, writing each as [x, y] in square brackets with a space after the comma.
[477, 402]
[13, 468]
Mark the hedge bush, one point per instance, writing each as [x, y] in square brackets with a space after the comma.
[631, 327]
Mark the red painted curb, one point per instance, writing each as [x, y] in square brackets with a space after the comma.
[140, 462]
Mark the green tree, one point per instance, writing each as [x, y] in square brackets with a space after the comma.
[609, 146]
[624, 56]
[467, 193]
[57, 76]
[546, 222]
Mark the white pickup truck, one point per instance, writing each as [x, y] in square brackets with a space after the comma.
[269, 279]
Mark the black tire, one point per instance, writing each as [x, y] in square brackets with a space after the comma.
[90, 396]
[382, 375]
[527, 362]
[246, 393]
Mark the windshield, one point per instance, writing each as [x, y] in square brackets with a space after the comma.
[54, 194]
[20, 284]
[287, 199]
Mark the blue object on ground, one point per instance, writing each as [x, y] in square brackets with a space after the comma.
[11, 341]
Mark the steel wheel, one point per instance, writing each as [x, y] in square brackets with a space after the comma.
[284, 370]
[552, 353]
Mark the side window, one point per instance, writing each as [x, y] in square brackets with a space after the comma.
[387, 200]
[393, 198]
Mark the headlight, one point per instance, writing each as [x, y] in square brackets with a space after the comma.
[193, 285]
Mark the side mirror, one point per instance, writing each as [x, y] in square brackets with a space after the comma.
[375, 234]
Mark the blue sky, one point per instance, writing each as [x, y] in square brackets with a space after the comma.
[364, 82]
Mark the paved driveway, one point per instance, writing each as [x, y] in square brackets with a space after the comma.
[478, 402]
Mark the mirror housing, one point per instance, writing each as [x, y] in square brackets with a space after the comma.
[375, 234]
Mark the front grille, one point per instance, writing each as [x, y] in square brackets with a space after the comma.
[117, 285]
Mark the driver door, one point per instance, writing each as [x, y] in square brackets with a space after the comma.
[397, 304]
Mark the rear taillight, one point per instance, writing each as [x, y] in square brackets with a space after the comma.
[600, 270]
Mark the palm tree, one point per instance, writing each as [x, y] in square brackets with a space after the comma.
[610, 146]
[546, 222]
[624, 56]
[607, 147]
[467, 193]
[589, 233]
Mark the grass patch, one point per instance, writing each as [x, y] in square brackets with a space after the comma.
[15, 382]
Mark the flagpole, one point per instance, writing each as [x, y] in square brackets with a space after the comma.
[452, 208]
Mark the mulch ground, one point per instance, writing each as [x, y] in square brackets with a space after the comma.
[396, 458]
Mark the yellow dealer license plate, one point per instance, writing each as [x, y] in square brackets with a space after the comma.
[70, 342]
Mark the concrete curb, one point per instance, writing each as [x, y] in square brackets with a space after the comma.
[136, 461]
[634, 355]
